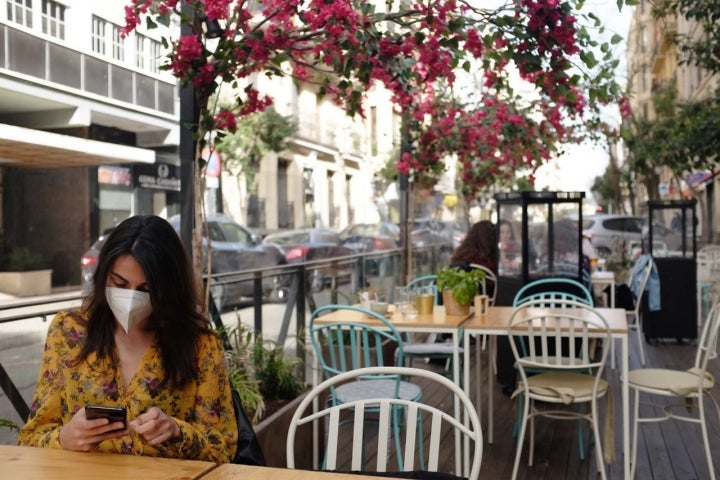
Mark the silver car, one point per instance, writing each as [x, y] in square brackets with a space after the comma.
[609, 232]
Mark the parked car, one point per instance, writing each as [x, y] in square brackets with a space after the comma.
[429, 237]
[234, 248]
[304, 245]
[371, 237]
[609, 232]
[367, 237]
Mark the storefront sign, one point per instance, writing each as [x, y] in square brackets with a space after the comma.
[159, 176]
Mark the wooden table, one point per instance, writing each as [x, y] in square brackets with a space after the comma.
[436, 322]
[496, 323]
[31, 463]
[229, 471]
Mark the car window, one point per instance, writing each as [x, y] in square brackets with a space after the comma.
[234, 233]
[325, 237]
[215, 232]
[588, 223]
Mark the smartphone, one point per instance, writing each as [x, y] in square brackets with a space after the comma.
[114, 414]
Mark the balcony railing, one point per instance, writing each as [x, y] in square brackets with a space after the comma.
[26, 54]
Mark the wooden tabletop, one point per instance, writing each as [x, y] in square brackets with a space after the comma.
[498, 318]
[30, 463]
[437, 319]
[229, 471]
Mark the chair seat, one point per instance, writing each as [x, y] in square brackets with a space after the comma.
[671, 382]
[565, 387]
[431, 348]
[364, 389]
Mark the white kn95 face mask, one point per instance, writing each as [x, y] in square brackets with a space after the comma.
[129, 306]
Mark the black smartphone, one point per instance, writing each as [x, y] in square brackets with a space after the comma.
[114, 414]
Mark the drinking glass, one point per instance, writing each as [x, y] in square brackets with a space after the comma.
[405, 301]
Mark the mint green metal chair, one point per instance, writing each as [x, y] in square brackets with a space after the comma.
[343, 346]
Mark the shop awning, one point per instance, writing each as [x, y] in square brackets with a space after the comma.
[28, 148]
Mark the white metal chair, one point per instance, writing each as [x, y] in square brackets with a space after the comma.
[690, 386]
[489, 277]
[565, 379]
[349, 346]
[440, 424]
[634, 316]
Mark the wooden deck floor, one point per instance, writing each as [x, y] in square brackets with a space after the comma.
[667, 450]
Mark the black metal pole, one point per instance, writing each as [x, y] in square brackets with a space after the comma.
[189, 112]
[405, 274]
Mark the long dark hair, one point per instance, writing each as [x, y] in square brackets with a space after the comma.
[480, 245]
[177, 315]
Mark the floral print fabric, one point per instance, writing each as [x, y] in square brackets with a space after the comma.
[203, 409]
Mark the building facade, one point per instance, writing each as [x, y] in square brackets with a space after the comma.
[653, 63]
[89, 134]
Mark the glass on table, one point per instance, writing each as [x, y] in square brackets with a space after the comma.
[405, 301]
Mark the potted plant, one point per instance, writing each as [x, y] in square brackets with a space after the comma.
[270, 387]
[458, 288]
[24, 273]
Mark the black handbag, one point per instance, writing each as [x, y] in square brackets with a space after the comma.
[248, 451]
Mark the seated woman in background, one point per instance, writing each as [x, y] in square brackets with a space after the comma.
[480, 246]
[140, 341]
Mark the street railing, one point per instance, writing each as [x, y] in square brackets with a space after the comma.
[341, 278]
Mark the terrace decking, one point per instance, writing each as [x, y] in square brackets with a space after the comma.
[666, 450]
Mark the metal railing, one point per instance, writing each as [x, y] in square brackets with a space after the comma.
[342, 278]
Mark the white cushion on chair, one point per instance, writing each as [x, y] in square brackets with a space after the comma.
[360, 390]
[565, 386]
[677, 382]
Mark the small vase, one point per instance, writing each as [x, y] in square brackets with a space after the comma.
[452, 307]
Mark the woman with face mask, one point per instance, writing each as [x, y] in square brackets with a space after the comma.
[140, 341]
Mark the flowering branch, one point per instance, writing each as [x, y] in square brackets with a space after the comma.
[412, 48]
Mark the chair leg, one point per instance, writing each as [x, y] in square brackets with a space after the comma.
[598, 443]
[636, 418]
[706, 439]
[521, 438]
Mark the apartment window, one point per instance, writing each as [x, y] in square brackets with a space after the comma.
[118, 44]
[148, 54]
[20, 12]
[99, 27]
[53, 19]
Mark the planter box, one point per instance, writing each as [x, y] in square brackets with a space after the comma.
[272, 435]
[26, 284]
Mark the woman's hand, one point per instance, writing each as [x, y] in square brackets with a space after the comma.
[156, 427]
[84, 435]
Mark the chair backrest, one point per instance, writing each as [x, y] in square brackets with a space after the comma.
[426, 281]
[547, 291]
[546, 329]
[489, 277]
[708, 345]
[643, 283]
[341, 346]
[438, 424]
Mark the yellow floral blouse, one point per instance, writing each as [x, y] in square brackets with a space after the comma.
[203, 409]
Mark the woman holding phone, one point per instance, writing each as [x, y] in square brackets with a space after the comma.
[140, 342]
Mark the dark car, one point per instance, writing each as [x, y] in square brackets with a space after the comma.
[367, 237]
[305, 245]
[234, 248]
